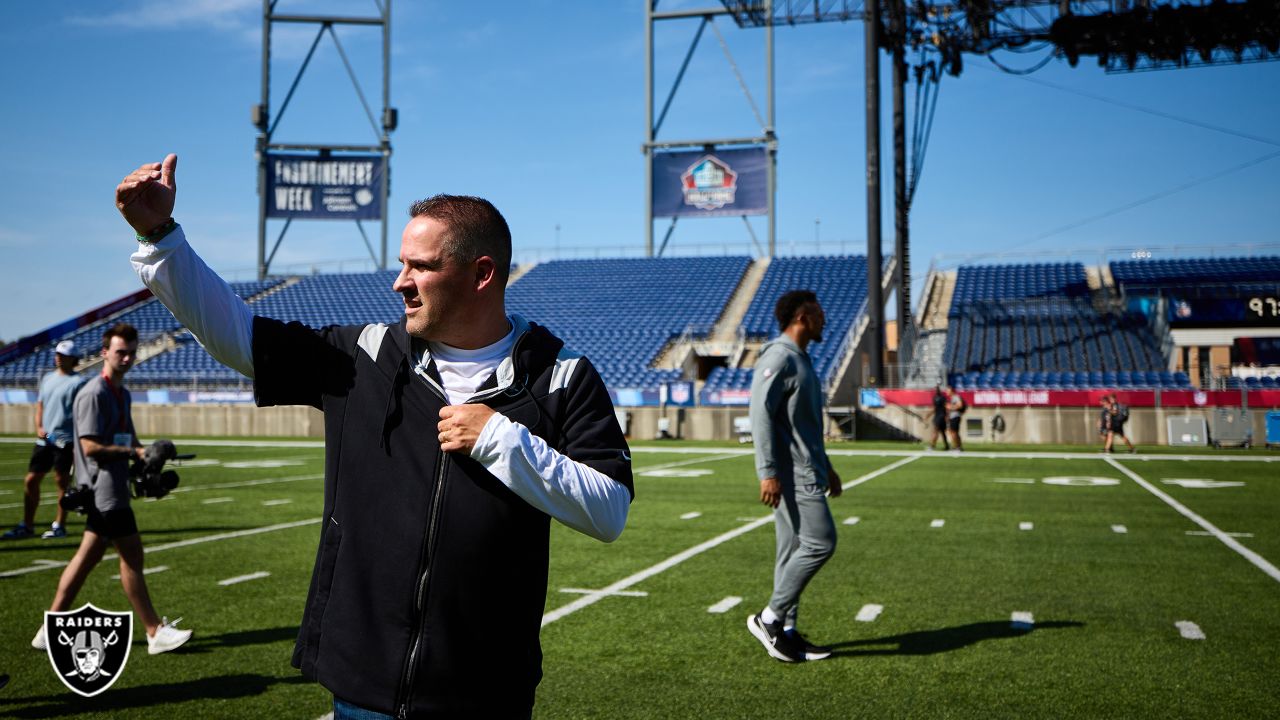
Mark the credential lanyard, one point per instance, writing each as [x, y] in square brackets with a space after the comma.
[121, 411]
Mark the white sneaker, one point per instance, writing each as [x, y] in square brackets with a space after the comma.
[167, 637]
[38, 642]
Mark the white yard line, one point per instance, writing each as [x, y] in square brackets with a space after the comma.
[682, 463]
[869, 612]
[725, 605]
[852, 520]
[1031, 455]
[680, 557]
[1022, 620]
[691, 515]
[620, 593]
[147, 571]
[244, 578]
[210, 486]
[1189, 630]
[877, 473]
[1026, 526]
[248, 483]
[178, 544]
[649, 572]
[937, 523]
[1119, 529]
[1260, 562]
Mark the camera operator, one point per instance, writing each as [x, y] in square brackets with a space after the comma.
[105, 445]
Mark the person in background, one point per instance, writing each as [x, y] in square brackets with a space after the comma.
[794, 471]
[939, 419]
[54, 433]
[1104, 419]
[956, 408]
[1119, 415]
[105, 444]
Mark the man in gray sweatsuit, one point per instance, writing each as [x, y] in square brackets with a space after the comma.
[795, 474]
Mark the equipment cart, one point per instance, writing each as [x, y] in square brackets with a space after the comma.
[1231, 426]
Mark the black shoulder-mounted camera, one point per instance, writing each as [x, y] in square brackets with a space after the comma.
[147, 476]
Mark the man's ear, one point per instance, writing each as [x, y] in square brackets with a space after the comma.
[486, 272]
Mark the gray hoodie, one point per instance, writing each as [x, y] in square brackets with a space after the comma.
[786, 416]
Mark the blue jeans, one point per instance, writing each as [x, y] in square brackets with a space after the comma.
[343, 710]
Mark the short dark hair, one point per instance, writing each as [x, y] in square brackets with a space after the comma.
[476, 228]
[124, 331]
[790, 303]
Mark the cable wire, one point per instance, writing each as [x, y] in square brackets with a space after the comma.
[1148, 199]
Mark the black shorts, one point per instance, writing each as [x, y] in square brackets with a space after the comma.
[939, 422]
[1118, 430]
[953, 424]
[112, 524]
[49, 456]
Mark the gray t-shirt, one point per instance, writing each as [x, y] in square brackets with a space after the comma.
[57, 390]
[103, 412]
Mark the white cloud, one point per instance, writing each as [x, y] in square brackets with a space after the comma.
[219, 14]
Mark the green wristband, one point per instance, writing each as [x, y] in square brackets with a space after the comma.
[159, 233]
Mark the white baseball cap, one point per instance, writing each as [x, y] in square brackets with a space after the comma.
[66, 347]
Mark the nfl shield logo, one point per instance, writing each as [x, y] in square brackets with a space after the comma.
[680, 393]
[88, 647]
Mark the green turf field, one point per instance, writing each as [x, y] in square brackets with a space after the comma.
[1112, 557]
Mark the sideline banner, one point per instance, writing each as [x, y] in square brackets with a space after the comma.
[1082, 398]
[338, 187]
[724, 182]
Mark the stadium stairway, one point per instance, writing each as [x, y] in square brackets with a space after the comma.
[520, 271]
[942, 287]
[927, 361]
[727, 328]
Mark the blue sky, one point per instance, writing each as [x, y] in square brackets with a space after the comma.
[539, 107]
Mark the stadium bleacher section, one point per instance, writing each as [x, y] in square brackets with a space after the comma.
[622, 312]
[840, 283]
[1025, 326]
[1206, 274]
[1034, 326]
[316, 300]
[150, 317]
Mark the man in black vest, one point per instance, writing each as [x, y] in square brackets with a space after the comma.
[451, 440]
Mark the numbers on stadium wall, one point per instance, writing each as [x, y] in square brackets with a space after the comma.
[1265, 307]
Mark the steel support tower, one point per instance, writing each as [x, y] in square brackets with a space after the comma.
[767, 137]
[266, 121]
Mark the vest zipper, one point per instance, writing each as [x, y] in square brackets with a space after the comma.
[420, 596]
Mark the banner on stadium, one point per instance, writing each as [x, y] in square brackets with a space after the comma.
[710, 184]
[725, 397]
[678, 393]
[1090, 398]
[310, 187]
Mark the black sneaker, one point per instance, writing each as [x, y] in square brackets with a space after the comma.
[778, 643]
[811, 651]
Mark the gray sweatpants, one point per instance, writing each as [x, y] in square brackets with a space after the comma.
[806, 539]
